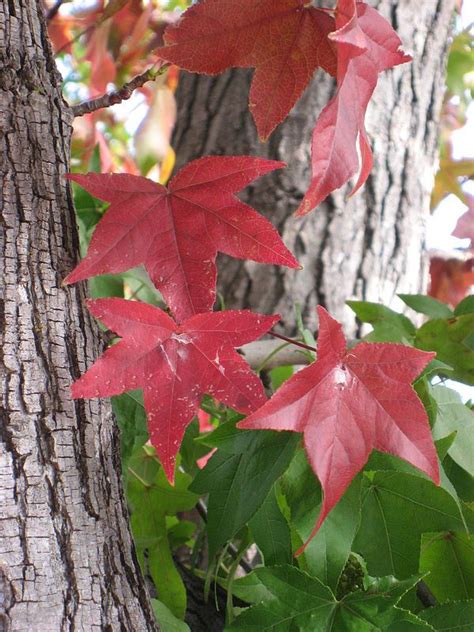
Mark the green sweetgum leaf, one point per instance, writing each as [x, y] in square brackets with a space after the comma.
[192, 449]
[452, 340]
[387, 462]
[152, 498]
[426, 305]
[166, 619]
[460, 479]
[239, 476]
[131, 418]
[455, 617]
[406, 621]
[389, 326]
[271, 532]
[448, 557]
[289, 600]
[466, 306]
[396, 509]
[453, 416]
[326, 555]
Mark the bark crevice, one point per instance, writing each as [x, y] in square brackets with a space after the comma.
[66, 555]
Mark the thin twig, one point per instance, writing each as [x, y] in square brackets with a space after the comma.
[292, 342]
[75, 38]
[122, 94]
[53, 11]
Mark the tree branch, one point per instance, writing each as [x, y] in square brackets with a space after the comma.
[291, 341]
[53, 11]
[122, 94]
[270, 354]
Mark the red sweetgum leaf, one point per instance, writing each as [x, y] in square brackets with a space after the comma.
[349, 402]
[366, 46]
[177, 231]
[175, 365]
[103, 70]
[284, 40]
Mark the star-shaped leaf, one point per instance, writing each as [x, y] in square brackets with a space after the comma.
[366, 46]
[177, 231]
[175, 365]
[284, 40]
[288, 599]
[349, 402]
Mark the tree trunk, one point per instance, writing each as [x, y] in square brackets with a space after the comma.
[66, 555]
[368, 247]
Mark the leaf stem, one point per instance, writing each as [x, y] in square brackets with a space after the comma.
[202, 511]
[296, 343]
[270, 356]
[139, 478]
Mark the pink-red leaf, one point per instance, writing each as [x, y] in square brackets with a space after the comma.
[284, 40]
[177, 231]
[174, 365]
[349, 402]
[366, 46]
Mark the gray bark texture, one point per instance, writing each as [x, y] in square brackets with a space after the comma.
[368, 247]
[66, 555]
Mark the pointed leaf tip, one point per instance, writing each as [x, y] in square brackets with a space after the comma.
[348, 403]
[177, 232]
[175, 366]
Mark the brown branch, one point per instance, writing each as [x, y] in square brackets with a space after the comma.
[53, 11]
[122, 94]
[290, 341]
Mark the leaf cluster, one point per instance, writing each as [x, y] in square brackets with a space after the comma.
[373, 534]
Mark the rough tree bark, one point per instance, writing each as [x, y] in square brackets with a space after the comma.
[66, 556]
[369, 247]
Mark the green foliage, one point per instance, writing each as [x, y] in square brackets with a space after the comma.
[396, 509]
[388, 325]
[166, 619]
[453, 342]
[271, 532]
[455, 617]
[448, 557]
[247, 461]
[449, 334]
[427, 305]
[453, 416]
[327, 553]
[289, 599]
[392, 522]
[152, 499]
[258, 488]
